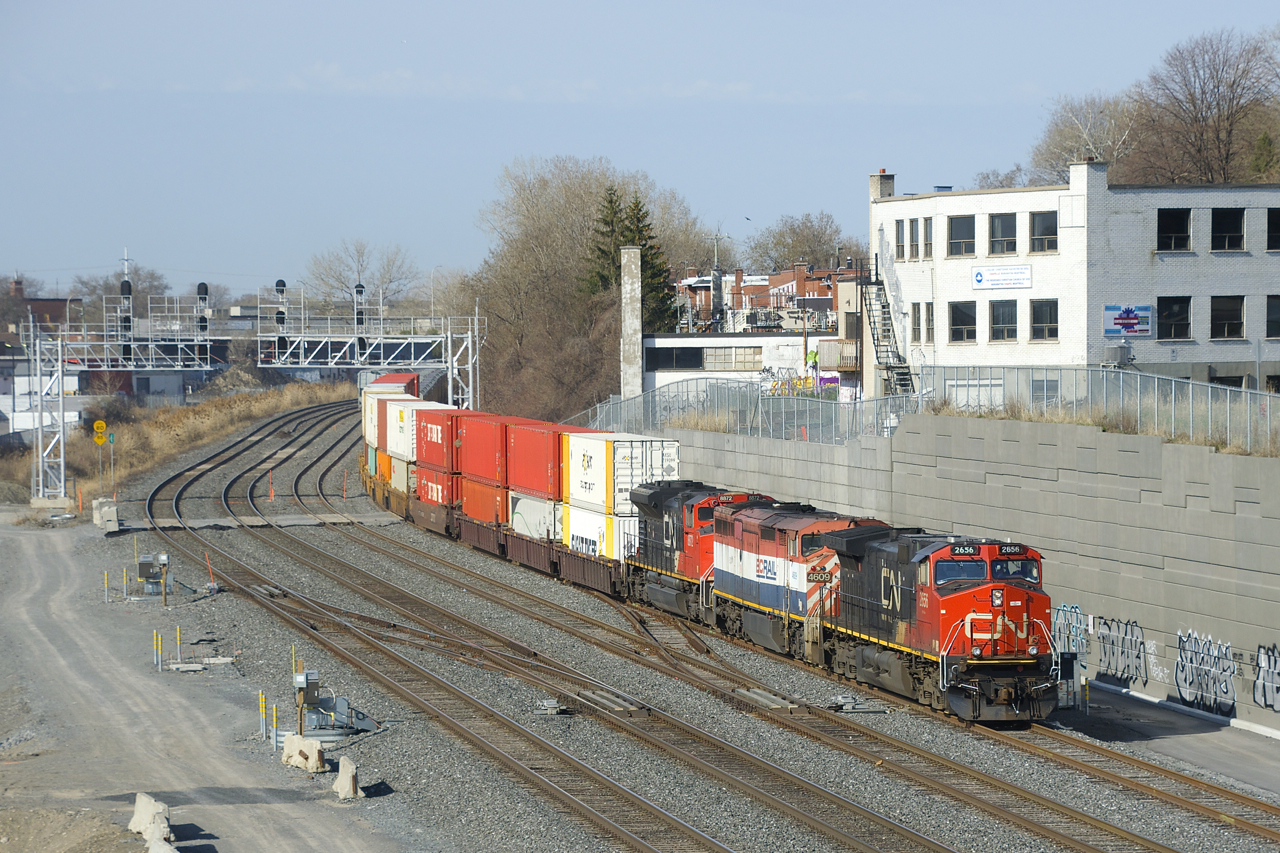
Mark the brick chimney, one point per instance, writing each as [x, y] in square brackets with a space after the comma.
[15, 288]
[881, 186]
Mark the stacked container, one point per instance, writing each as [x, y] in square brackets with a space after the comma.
[599, 471]
[482, 460]
[535, 479]
[436, 451]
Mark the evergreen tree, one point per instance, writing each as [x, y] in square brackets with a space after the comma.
[657, 306]
[1264, 157]
[604, 257]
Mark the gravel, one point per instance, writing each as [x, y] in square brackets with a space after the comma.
[435, 793]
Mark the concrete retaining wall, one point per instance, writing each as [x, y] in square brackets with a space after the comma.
[1164, 559]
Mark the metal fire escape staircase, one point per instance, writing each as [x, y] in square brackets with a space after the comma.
[880, 319]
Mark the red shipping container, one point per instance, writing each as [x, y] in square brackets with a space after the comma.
[408, 380]
[533, 458]
[438, 436]
[482, 447]
[437, 487]
[483, 502]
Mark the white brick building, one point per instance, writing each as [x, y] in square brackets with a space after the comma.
[1188, 276]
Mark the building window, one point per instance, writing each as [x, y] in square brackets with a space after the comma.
[964, 321]
[1004, 233]
[915, 239]
[899, 240]
[915, 322]
[852, 325]
[733, 358]
[1044, 319]
[1004, 320]
[1173, 318]
[1228, 229]
[928, 322]
[673, 358]
[960, 235]
[1173, 229]
[1273, 316]
[1226, 317]
[928, 238]
[1228, 381]
[1044, 231]
[1273, 229]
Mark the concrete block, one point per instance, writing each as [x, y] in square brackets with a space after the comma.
[303, 753]
[159, 845]
[347, 785]
[148, 811]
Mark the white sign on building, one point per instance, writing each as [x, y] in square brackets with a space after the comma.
[1002, 278]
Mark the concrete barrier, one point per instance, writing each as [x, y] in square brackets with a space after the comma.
[347, 784]
[150, 818]
[303, 753]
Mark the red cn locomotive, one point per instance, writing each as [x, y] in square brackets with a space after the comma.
[957, 623]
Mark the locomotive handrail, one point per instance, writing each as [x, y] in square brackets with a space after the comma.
[942, 663]
[1056, 669]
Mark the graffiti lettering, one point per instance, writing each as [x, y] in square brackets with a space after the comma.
[1204, 674]
[1122, 650]
[1070, 628]
[1266, 681]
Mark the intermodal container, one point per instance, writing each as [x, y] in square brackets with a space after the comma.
[402, 433]
[534, 452]
[483, 502]
[482, 447]
[438, 437]
[437, 487]
[384, 466]
[383, 419]
[399, 479]
[598, 534]
[369, 398]
[371, 460]
[601, 468]
[408, 382]
[533, 516]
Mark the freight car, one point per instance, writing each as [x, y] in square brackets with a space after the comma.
[959, 624]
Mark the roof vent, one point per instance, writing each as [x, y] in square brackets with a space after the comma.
[938, 189]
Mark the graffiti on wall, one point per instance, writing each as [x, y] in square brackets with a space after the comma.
[1070, 629]
[1122, 650]
[1204, 674]
[1266, 679]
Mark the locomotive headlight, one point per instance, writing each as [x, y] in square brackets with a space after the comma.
[975, 652]
[997, 598]
[1033, 650]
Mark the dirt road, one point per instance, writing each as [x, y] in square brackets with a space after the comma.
[86, 723]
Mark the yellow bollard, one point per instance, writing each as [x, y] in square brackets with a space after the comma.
[106, 590]
[159, 652]
[179, 644]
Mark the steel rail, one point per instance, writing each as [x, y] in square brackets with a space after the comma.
[244, 578]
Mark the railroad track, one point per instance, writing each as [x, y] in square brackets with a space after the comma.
[575, 788]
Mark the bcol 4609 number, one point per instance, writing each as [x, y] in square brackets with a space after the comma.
[819, 577]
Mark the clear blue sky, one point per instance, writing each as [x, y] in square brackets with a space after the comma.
[229, 141]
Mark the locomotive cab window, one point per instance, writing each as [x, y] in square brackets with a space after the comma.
[810, 543]
[1026, 570]
[706, 513]
[945, 571]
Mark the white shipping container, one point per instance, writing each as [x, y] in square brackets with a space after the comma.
[402, 427]
[598, 534]
[602, 468]
[369, 408]
[536, 517]
[400, 476]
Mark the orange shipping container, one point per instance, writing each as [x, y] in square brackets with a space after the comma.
[384, 466]
[483, 502]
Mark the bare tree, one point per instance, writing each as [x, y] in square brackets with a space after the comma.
[811, 238]
[144, 283]
[993, 179]
[386, 273]
[1103, 127]
[1201, 101]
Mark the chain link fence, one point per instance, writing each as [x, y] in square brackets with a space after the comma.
[1119, 400]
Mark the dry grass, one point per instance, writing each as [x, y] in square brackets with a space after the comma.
[1125, 422]
[701, 421]
[157, 436]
